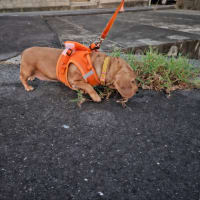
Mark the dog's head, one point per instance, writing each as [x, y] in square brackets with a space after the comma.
[125, 80]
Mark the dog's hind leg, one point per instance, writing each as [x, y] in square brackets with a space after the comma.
[24, 77]
[24, 80]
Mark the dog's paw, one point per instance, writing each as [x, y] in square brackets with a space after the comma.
[29, 88]
[97, 99]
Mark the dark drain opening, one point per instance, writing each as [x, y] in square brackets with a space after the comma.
[188, 48]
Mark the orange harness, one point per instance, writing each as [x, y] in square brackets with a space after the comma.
[79, 55]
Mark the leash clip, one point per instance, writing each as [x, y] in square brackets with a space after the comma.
[96, 45]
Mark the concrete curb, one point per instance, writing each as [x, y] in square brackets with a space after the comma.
[85, 11]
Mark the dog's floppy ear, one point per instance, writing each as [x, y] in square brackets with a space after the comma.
[125, 83]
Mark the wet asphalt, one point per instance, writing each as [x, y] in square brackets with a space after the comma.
[52, 149]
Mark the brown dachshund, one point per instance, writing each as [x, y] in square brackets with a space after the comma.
[40, 62]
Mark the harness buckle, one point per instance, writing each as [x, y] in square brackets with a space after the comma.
[95, 46]
[69, 52]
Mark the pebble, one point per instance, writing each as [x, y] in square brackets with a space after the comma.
[65, 126]
[100, 193]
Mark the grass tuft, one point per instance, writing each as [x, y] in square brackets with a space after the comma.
[161, 73]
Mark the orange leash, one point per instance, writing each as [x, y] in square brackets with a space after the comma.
[105, 32]
[112, 20]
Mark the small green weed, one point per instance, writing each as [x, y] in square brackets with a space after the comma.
[116, 52]
[80, 98]
[103, 92]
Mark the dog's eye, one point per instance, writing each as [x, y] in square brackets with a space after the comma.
[133, 81]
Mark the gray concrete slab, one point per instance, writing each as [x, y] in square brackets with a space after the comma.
[130, 30]
[186, 21]
[51, 149]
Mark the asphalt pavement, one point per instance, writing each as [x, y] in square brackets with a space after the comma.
[52, 149]
[19, 33]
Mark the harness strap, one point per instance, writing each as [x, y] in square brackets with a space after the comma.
[90, 73]
[79, 55]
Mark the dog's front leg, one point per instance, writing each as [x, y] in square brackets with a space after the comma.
[88, 89]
